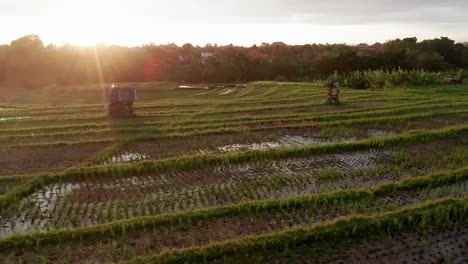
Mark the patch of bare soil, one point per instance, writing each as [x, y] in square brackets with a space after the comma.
[425, 151]
[437, 122]
[25, 160]
[163, 148]
[432, 246]
[54, 139]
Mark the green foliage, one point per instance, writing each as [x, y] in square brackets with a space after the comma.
[48, 66]
[457, 157]
[377, 79]
[332, 173]
[459, 76]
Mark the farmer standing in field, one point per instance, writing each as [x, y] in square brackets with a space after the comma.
[333, 98]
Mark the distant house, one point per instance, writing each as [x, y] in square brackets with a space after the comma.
[366, 50]
[119, 101]
[205, 55]
[256, 55]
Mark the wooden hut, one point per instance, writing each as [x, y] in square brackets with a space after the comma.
[119, 100]
[457, 79]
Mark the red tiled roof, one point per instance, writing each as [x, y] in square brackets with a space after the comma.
[258, 55]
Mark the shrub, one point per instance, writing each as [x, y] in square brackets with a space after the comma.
[376, 79]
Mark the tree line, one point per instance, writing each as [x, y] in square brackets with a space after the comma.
[27, 62]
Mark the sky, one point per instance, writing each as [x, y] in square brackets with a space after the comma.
[240, 22]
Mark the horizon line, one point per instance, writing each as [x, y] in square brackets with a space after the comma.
[215, 44]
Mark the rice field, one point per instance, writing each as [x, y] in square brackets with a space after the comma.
[265, 173]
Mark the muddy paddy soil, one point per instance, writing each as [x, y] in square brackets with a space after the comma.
[22, 160]
[26, 160]
[267, 139]
[222, 144]
[155, 239]
[94, 201]
[44, 137]
[79, 203]
[436, 122]
[428, 246]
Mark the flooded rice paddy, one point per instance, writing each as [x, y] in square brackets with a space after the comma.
[126, 157]
[73, 204]
[14, 118]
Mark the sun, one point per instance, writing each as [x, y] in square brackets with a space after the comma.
[87, 22]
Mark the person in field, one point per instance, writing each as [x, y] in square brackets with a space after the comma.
[333, 98]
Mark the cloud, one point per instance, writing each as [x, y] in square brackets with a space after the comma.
[260, 11]
[305, 11]
[26, 7]
[294, 21]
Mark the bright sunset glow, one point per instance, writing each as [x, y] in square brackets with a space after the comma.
[133, 23]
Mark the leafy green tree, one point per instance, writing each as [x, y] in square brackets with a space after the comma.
[26, 62]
